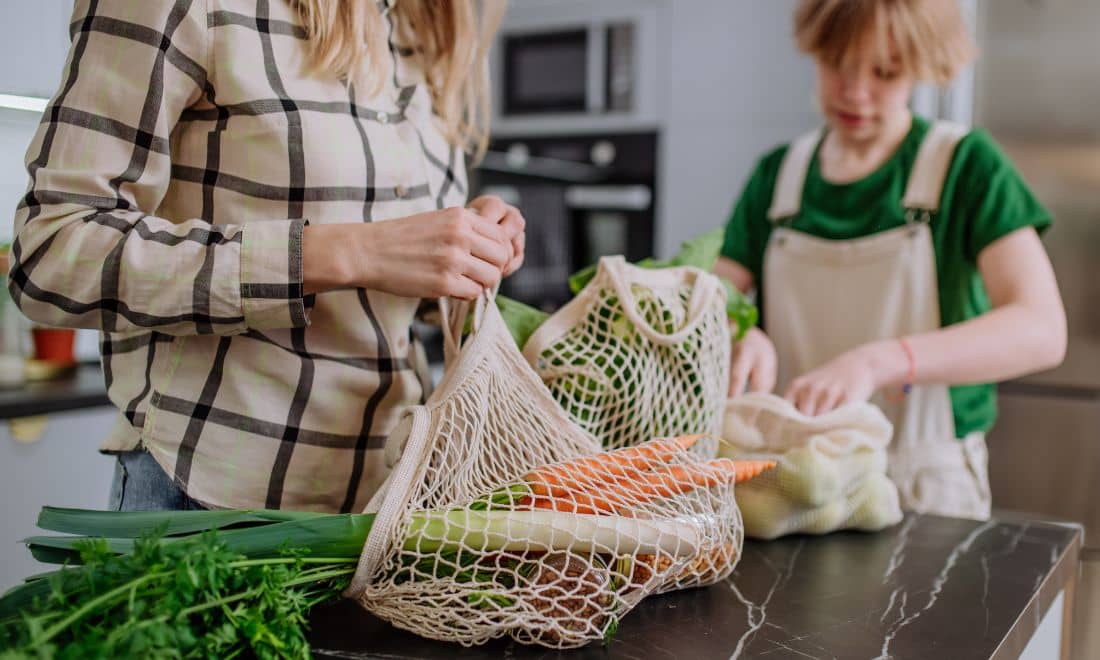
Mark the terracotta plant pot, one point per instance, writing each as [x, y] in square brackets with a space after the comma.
[54, 344]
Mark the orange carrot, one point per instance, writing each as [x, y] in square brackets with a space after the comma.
[748, 469]
[671, 480]
[619, 463]
[559, 504]
[617, 481]
[541, 493]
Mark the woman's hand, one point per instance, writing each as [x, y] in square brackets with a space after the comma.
[453, 252]
[752, 363]
[850, 377]
[510, 220]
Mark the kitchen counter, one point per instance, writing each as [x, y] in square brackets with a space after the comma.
[928, 587]
[82, 388]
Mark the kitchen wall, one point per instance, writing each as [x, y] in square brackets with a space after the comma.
[16, 129]
[33, 50]
[736, 87]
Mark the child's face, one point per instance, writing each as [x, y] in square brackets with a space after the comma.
[864, 97]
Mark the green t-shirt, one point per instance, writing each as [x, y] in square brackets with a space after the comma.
[983, 199]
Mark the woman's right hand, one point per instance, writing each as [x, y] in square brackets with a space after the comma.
[753, 363]
[452, 252]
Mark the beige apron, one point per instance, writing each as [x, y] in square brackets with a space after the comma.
[824, 297]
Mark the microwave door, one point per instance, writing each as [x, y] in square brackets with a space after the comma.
[547, 72]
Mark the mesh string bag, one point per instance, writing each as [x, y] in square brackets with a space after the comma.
[638, 353]
[502, 517]
[830, 472]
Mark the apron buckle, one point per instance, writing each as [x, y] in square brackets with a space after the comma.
[916, 217]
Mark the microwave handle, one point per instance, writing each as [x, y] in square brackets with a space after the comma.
[619, 198]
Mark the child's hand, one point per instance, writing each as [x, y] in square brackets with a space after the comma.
[753, 363]
[847, 378]
[510, 220]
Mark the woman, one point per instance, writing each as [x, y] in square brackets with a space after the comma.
[207, 188]
[894, 255]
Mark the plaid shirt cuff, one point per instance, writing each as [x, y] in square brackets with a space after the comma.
[271, 275]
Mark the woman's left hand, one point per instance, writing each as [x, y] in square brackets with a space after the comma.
[510, 219]
[844, 379]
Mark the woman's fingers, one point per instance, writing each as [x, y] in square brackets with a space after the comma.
[483, 272]
[492, 252]
[503, 223]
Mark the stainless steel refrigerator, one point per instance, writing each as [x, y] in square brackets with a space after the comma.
[1036, 88]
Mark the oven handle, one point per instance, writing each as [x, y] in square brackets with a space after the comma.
[617, 198]
[557, 169]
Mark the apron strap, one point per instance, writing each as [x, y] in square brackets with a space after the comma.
[787, 196]
[930, 169]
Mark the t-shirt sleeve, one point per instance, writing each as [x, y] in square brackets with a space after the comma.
[995, 201]
[748, 227]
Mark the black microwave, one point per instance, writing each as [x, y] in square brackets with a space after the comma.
[589, 69]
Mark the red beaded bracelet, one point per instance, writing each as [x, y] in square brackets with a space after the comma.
[910, 374]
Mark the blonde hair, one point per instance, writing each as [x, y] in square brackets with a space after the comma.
[929, 37]
[451, 37]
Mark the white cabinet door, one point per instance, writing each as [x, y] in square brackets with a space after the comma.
[61, 468]
[34, 46]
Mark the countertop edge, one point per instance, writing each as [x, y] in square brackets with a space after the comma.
[1021, 632]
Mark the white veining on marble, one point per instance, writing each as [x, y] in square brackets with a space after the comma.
[898, 555]
[799, 638]
[783, 646]
[937, 585]
[1013, 543]
[897, 626]
[890, 606]
[758, 614]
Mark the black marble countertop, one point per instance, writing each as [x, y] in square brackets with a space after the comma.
[928, 587]
[82, 388]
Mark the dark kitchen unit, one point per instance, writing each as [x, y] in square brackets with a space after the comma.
[1036, 91]
[583, 196]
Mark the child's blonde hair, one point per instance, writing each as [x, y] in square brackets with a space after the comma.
[929, 37]
[450, 36]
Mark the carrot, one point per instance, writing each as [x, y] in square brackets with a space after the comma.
[624, 462]
[542, 494]
[671, 480]
[617, 481]
[559, 504]
[748, 469]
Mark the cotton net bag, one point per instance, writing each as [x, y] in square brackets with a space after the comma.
[638, 353]
[830, 473]
[502, 517]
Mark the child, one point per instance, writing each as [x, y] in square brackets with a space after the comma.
[894, 257]
[208, 188]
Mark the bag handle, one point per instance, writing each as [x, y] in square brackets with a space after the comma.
[454, 312]
[705, 287]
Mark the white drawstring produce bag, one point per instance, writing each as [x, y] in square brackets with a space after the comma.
[830, 473]
[638, 353]
[502, 517]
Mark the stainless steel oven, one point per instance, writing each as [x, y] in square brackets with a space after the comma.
[583, 196]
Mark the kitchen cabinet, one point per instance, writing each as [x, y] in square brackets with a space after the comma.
[1044, 457]
[62, 467]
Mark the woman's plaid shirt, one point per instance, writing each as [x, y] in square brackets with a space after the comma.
[170, 180]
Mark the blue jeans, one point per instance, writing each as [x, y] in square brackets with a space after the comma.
[141, 484]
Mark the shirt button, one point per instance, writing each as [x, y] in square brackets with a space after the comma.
[383, 118]
[399, 191]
